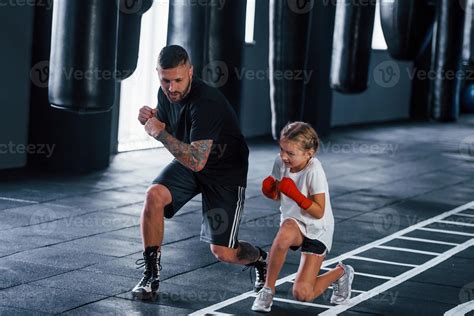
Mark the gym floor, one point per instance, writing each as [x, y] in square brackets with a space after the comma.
[401, 195]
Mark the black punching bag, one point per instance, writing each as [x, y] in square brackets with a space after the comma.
[288, 34]
[445, 61]
[465, 95]
[404, 24]
[83, 55]
[226, 25]
[187, 28]
[352, 45]
[130, 20]
[420, 86]
[468, 38]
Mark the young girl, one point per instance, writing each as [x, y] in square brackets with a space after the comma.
[299, 182]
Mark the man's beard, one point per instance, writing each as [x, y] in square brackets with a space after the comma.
[181, 95]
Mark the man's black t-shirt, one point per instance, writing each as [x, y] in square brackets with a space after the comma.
[206, 114]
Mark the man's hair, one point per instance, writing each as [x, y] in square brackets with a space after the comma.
[172, 56]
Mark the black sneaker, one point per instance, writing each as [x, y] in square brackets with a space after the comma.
[260, 267]
[148, 285]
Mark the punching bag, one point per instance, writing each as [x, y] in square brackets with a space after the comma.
[83, 55]
[288, 34]
[130, 20]
[466, 93]
[404, 25]
[187, 28]
[468, 37]
[352, 45]
[446, 60]
[317, 93]
[224, 52]
[420, 86]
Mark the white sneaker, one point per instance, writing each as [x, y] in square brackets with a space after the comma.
[264, 300]
[342, 287]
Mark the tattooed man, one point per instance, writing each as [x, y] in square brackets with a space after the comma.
[198, 126]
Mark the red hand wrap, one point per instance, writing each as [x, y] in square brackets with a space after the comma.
[289, 188]
[269, 188]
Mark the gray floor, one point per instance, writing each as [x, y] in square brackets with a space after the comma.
[68, 244]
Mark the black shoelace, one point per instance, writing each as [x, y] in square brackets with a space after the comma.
[148, 266]
[259, 267]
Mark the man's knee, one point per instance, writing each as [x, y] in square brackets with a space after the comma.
[223, 254]
[157, 197]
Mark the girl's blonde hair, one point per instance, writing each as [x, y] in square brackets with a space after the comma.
[301, 133]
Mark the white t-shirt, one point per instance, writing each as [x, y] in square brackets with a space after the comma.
[311, 180]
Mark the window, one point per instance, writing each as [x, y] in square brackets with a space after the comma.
[142, 87]
[250, 22]
[378, 39]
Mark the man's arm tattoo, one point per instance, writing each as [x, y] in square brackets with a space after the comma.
[194, 155]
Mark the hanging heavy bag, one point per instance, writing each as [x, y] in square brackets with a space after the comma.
[83, 55]
[352, 45]
[130, 20]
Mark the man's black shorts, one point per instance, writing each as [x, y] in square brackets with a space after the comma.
[222, 206]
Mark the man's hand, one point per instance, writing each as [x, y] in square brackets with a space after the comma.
[269, 188]
[154, 127]
[289, 188]
[145, 114]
